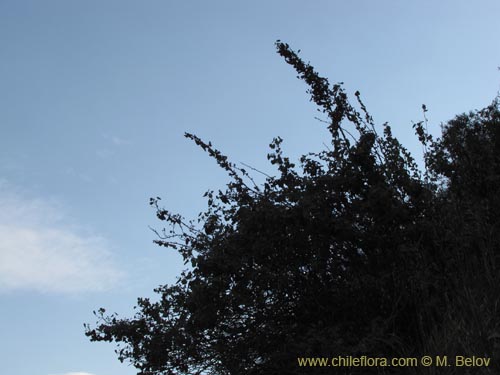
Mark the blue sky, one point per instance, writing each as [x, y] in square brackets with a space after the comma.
[96, 96]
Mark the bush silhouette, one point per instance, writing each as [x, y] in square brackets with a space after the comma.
[354, 251]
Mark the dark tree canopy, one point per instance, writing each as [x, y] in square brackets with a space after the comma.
[355, 251]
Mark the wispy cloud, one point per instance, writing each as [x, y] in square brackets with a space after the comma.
[113, 143]
[104, 153]
[75, 373]
[40, 251]
[70, 171]
[117, 141]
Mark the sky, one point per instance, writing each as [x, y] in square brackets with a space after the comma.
[95, 98]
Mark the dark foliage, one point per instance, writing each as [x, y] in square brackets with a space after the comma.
[353, 252]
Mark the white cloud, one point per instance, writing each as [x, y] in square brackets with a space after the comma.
[70, 171]
[76, 373]
[113, 142]
[104, 153]
[40, 251]
[119, 141]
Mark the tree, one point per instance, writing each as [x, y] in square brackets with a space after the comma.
[356, 251]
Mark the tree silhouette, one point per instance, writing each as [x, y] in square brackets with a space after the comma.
[355, 251]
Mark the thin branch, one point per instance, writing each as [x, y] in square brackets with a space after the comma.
[255, 169]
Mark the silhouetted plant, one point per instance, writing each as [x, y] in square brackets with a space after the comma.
[353, 252]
